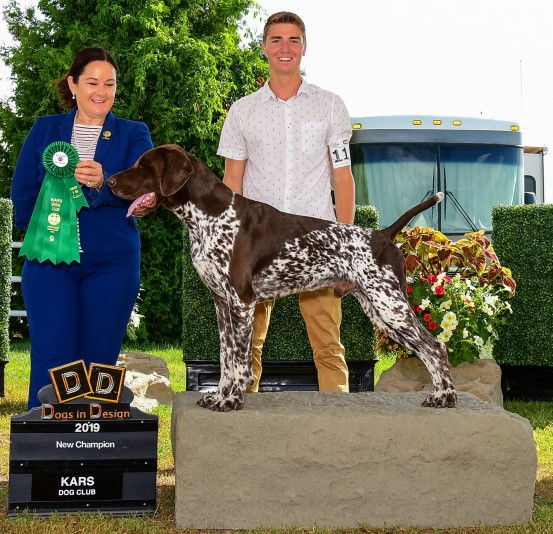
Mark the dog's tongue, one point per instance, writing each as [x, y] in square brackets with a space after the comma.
[147, 200]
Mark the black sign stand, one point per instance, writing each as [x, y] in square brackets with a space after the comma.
[83, 456]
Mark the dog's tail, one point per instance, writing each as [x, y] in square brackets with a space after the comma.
[397, 226]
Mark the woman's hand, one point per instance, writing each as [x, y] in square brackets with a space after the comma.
[90, 174]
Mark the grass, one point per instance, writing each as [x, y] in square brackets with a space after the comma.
[540, 415]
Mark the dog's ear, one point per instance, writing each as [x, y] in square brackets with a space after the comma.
[177, 169]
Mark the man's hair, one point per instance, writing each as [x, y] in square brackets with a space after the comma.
[284, 17]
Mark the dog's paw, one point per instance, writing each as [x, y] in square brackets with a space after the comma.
[230, 404]
[217, 403]
[207, 401]
[441, 399]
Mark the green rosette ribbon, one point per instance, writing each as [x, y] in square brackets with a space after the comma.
[53, 233]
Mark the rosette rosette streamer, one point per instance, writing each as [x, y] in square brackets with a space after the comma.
[53, 233]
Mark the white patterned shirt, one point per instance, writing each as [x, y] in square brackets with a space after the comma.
[287, 146]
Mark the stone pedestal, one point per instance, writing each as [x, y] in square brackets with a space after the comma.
[337, 460]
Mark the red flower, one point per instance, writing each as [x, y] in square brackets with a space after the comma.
[418, 309]
[439, 290]
[432, 325]
[447, 279]
[427, 317]
[432, 278]
[409, 289]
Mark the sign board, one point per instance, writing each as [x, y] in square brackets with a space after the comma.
[83, 456]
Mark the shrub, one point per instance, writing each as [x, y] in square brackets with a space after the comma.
[287, 338]
[521, 236]
[6, 221]
[161, 278]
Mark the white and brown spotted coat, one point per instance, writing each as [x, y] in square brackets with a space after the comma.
[247, 251]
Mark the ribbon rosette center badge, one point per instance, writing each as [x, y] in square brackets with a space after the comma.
[53, 233]
[60, 159]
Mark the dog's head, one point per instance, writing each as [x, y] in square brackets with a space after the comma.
[158, 174]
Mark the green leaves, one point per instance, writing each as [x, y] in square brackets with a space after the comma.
[428, 251]
[522, 239]
[181, 65]
[462, 310]
[287, 337]
[6, 221]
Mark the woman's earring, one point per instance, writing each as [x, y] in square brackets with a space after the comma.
[73, 96]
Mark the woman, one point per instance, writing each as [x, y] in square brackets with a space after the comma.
[80, 310]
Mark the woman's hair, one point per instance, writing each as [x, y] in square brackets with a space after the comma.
[82, 59]
[284, 17]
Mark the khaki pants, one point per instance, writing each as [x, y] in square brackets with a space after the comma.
[322, 313]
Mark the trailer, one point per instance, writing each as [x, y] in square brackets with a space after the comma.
[534, 171]
[398, 161]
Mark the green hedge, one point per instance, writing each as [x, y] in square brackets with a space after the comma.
[287, 337]
[522, 240]
[6, 221]
[160, 278]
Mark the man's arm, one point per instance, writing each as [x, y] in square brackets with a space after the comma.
[234, 174]
[344, 194]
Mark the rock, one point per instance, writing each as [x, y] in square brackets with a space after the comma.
[337, 460]
[481, 378]
[143, 363]
[148, 378]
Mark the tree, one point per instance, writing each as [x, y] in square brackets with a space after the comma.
[182, 63]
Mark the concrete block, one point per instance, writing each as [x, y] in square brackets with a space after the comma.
[338, 460]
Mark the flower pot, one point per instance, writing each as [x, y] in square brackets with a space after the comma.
[2, 366]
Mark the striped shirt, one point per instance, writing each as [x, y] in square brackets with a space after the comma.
[85, 138]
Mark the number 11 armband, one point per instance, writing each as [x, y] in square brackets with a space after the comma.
[339, 154]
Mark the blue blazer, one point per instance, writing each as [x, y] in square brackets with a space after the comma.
[104, 227]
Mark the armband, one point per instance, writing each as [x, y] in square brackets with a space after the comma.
[340, 155]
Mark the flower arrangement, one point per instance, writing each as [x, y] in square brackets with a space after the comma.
[459, 291]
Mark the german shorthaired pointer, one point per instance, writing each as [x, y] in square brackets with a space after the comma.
[247, 251]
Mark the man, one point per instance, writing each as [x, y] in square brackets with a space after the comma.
[286, 145]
